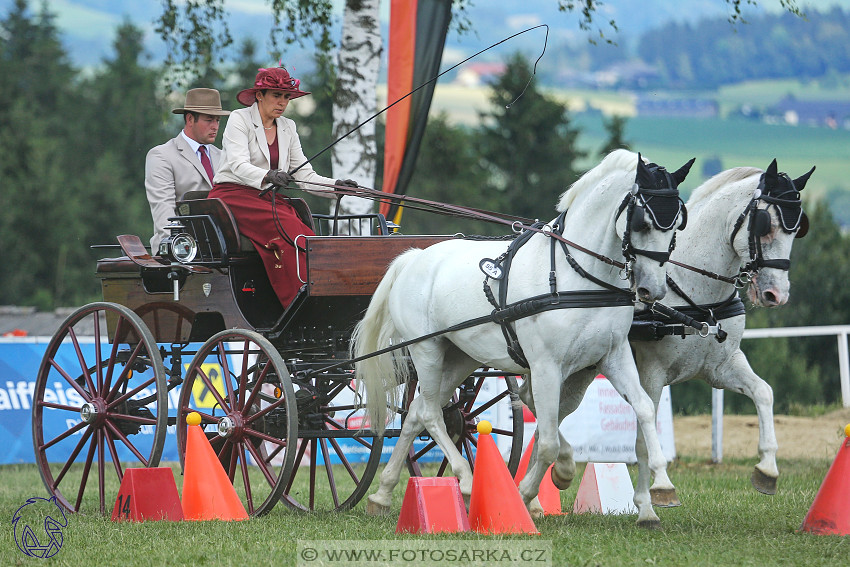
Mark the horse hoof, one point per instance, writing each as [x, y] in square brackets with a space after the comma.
[376, 509]
[664, 497]
[560, 483]
[763, 483]
[649, 524]
[535, 510]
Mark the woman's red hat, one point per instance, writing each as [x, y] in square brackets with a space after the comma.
[276, 78]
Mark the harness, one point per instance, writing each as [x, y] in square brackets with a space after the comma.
[646, 326]
[660, 206]
[505, 314]
[789, 209]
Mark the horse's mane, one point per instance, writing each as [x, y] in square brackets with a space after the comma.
[616, 160]
[721, 180]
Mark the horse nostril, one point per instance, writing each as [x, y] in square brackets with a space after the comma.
[770, 298]
[643, 293]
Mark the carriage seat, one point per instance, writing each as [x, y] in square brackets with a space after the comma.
[199, 203]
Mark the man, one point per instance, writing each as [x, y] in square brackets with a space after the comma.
[185, 163]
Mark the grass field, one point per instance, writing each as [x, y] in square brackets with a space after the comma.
[723, 521]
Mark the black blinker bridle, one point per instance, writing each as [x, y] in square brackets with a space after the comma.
[792, 218]
[646, 207]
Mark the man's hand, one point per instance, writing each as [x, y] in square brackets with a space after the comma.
[278, 177]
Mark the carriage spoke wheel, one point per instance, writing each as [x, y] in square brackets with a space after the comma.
[461, 416]
[95, 403]
[240, 386]
[336, 459]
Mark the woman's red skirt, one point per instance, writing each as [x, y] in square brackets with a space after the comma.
[273, 240]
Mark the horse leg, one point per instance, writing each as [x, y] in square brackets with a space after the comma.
[380, 502]
[621, 371]
[572, 393]
[652, 380]
[455, 366]
[738, 376]
[547, 442]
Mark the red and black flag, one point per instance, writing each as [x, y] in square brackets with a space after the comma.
[418, 31]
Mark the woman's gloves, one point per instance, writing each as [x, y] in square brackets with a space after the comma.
[346, 182]
[278, 177]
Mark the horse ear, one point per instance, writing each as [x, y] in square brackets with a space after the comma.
[643, 177]
[772, 170]
[800, 182]
[680, 174]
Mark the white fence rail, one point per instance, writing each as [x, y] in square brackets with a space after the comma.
[840, 331]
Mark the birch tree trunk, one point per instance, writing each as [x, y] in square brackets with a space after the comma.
[355, 157]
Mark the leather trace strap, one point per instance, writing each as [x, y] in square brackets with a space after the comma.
[504, 314]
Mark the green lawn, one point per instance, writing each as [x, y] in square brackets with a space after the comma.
[723, 521]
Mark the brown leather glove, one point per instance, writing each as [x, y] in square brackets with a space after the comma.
[347, 183]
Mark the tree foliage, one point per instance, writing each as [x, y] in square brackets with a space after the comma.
[528, 144]
[73, 157]
[711, 53]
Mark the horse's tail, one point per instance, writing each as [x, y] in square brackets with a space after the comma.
[379, 376]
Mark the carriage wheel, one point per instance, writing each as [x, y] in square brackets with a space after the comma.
[240, 386]
[337, 460]
[461, 416]
[93, 404]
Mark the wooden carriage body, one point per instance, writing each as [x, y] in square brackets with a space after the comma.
[229, 288]
[273, 386]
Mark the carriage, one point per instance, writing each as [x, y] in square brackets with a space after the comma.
[199, 329]
[274, 386]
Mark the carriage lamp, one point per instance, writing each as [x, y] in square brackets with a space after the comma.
[183, 248]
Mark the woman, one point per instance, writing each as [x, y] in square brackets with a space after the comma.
[259, 148]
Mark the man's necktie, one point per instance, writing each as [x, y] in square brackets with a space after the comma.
[205, 161]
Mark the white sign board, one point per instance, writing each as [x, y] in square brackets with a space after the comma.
[604, 427]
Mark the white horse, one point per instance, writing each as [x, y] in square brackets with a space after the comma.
[742, 223]
[716, 240]
[427, 291]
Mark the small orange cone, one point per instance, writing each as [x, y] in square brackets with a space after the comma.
[830, 511]
[432, 505]
[207, 491]
[495, 505]
[548, 494]
[147, 494]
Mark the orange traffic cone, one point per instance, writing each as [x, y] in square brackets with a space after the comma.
[207, 492]
[548, 494]
[830, 511]
[495, 505]
[147, 494]
[432, 505]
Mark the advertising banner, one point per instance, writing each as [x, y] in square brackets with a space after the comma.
[602, 429]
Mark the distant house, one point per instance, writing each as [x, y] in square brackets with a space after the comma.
[821, 113]
[633, 74]
[477, 74]
[678, 107]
